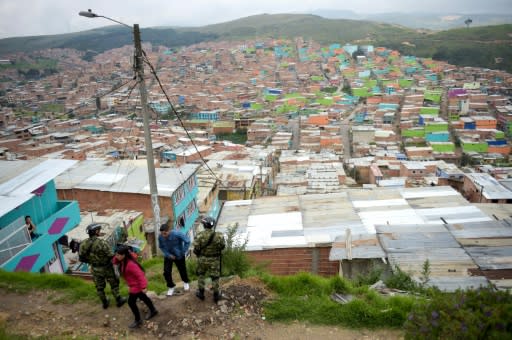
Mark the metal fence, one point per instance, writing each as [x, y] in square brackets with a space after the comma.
[13, 239]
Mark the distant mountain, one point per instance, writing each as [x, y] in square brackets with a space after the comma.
[305, 25]
[431, 21]
[474, 46]
[102, 39]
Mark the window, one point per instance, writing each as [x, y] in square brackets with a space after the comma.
[191, 208]
[191, 183]
[179, 195]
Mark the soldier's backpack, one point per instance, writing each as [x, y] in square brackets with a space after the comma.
[198, 251]
[84, 257]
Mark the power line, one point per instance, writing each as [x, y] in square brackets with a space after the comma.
[94, 98]
[153, 71]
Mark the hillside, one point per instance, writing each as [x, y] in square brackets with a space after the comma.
[103, 39]
[441, 20]
[475, 46]
[308, 26]
[239, 315]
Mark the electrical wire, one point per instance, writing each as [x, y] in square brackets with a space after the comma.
[94, 98]
[153, 71]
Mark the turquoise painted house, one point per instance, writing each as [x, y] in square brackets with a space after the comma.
[205, 115]
[184, 202]
[28, 188]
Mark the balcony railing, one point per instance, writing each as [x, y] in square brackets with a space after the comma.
[13, 239]
[15, 242]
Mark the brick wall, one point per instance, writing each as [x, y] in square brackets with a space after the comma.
[94, 200]
[288, 261]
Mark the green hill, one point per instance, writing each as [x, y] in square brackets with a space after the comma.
[475, 46]
[306, 25]
[103, 39]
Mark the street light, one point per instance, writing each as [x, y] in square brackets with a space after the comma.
[139, 69]
[91, 14]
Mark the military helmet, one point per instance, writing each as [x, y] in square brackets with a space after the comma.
[91, 228]
[208, 222]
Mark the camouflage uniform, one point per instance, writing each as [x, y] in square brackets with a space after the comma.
[100, 259]
[208, 259]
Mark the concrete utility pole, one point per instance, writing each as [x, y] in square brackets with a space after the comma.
[139, 70]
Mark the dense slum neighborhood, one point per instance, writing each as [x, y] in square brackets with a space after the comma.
[349, 157]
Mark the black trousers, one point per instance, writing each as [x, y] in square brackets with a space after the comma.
[182, 268]
[132, 302]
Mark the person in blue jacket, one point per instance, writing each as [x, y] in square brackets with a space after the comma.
[174, 245]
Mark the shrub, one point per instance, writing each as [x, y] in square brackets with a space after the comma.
[368, 279]
[340, 285]
[234, 259]
[472, 314]
[401, 280]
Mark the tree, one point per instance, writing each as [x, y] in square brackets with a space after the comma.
[468, 22]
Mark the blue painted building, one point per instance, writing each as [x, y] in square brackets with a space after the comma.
[206, 115]
[28, 188]
[160, 108]
[350, 49]
[184, 202]
[437, 136]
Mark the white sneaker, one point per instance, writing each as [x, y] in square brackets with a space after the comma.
[170, 292]
[186, 286]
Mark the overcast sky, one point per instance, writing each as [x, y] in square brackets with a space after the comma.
[39, 17]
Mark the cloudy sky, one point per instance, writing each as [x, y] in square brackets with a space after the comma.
[39, 17]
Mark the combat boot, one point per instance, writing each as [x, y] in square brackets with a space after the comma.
[105, 302]
[135, 324]
[216, 297]
[200, 294]
[120, 301]
[151, 314]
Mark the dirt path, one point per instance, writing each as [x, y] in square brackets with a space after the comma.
[238, 316]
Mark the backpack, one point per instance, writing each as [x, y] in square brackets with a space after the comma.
[84, 257]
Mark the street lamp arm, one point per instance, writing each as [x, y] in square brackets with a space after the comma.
[90, 14]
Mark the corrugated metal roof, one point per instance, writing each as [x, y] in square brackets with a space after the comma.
[424, 192]
[491, 257]
[411, 236]
[451, 284]
[488, 243]
[458, 214]
[492, 189]
[409, 219]
[409, 246]
[234, 212]
[482, 231]
[497, 210]
[361, 246]
[123, 176]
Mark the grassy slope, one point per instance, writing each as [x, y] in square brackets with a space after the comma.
[308, 26]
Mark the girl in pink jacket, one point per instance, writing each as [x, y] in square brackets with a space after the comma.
[137, 283]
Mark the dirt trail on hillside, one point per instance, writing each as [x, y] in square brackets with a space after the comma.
[238, 316]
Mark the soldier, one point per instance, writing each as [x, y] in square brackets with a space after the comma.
[98, 253]
[208, 247]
